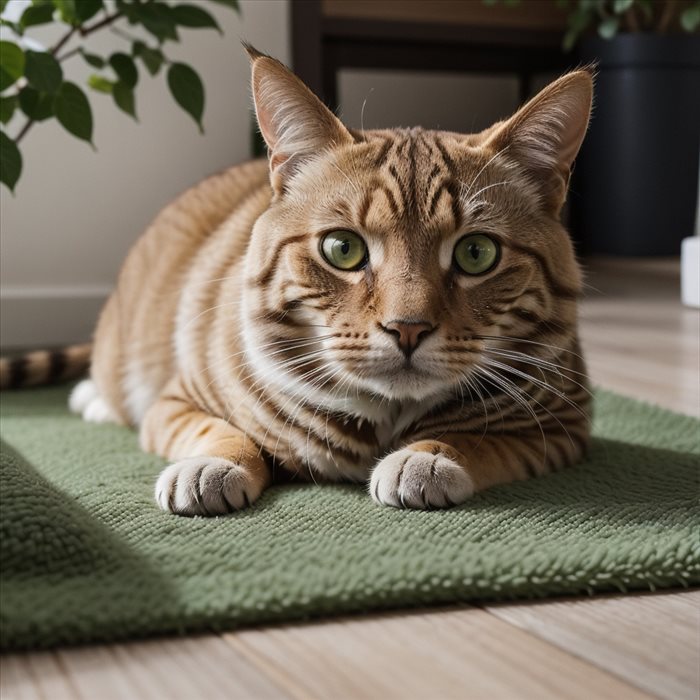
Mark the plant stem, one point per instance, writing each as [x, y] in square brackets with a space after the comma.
[66, 38]
[25, 129]
[632, 21]
[98, 25]
[83, 31]
[666, 16]
[68, 54]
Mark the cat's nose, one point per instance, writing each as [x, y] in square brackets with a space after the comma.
[408, 334]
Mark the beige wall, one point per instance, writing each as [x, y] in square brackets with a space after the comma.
[76, 212]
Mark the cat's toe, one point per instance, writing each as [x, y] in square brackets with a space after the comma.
[415, 479]
[83, 393]
[205, 486]
[99, 411]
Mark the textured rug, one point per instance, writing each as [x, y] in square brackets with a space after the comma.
[87, 556]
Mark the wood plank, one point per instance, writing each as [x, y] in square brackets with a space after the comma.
[444, 654]
[637, 337]
[37, 676]
[169, 668]
[652, 641]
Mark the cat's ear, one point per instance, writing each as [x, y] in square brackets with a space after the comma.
[295, 124]
[545, 135]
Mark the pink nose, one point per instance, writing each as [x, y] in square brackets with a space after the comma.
[409, 334]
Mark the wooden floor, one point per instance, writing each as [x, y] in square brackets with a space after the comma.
[639, 341]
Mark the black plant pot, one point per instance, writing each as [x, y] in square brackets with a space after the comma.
[635, 184]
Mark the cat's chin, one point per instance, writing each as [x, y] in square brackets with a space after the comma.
[406, 385]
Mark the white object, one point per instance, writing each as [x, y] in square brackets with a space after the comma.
[690, 271]
[690, 262]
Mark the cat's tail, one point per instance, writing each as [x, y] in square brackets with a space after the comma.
[44, 366]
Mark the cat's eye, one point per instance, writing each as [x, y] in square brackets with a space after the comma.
[476, 254]
[344, 250]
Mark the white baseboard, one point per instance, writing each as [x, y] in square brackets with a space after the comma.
[38, 316]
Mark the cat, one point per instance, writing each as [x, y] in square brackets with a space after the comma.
[394, 307]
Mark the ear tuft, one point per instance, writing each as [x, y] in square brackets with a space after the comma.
[252, 52]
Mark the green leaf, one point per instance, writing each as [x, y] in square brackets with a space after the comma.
[608, 27]
[67, 11]
[620, 6]
[580, 19]
[73, 111]
[87, 9]
[196, 17]
[129, 10]
[647, 8]
[2, 5]
[125, 68]
[43, 71]
[690, 18]
[188, 91]
[7, 108]
[100, 83]
[10, 161]
[11, 64]
[569, 40]
[233, 4]
[36, 14]
[36, 105]
[157, 18]
[93, 59]
[152, 58]
[124, 99]
[14, 27]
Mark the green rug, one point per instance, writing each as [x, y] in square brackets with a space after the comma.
[87, 556]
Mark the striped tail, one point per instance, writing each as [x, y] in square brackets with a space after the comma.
[44, 366]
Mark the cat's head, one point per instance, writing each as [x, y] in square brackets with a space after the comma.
[391, 261]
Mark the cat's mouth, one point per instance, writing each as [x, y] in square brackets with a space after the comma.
[407, 380]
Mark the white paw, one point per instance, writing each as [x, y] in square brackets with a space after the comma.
[97, 411]
[85, 399]
[206, 486]
[83, 393]
[415, 479]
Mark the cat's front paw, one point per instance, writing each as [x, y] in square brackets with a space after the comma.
[412, 478]
[206, 486]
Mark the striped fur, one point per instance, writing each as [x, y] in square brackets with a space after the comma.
[241, 354]
[44, 366]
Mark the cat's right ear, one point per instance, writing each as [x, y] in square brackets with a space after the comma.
[545, 135]
[295, 124]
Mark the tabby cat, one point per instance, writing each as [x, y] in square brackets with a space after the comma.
[396, 307]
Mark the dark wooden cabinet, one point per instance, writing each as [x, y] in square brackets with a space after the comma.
[432, 35]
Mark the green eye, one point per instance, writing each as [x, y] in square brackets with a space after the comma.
[344, 250]
[476, 254]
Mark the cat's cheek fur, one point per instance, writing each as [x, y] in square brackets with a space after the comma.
[414, 478]
[206, 486]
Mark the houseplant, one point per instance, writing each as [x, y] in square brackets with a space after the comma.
[634, 188]
[32, 85]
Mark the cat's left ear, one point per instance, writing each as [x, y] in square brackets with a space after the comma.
[545, 135]
[295, 124]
